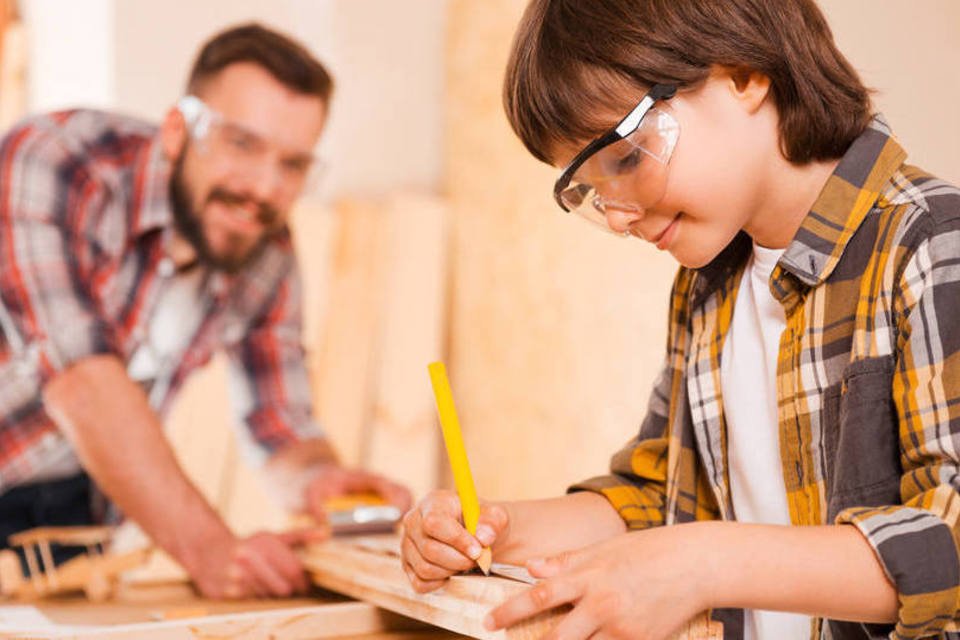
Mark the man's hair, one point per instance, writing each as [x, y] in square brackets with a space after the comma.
[574, 60]
[286, 60]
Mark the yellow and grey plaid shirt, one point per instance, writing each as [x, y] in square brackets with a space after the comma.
[868, 385]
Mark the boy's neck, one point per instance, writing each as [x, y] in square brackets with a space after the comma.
[787, 194]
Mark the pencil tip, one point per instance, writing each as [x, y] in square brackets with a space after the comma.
[485, 560]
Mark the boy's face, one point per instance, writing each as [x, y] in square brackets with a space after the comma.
[714, 182]
[235, 179]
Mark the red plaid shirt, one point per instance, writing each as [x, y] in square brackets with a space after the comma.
[85, 222]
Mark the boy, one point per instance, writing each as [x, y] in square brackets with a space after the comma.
[810, 374]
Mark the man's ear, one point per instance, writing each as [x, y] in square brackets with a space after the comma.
[173, 133]
[749, 87]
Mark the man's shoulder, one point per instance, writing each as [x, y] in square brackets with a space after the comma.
[88, 133]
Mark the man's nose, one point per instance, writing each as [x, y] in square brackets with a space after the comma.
[263, 181]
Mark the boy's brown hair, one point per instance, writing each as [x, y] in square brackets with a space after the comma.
[286, 60]
[573, 60]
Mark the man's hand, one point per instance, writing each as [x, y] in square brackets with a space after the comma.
[261, 565]
[642, 585]
[435, 543]
[330, 480]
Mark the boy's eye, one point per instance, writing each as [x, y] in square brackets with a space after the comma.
[628, 162]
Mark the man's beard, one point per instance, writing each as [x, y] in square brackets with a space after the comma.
[188, 223]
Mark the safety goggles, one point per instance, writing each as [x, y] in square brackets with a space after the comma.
[626, 167]
[244, 151]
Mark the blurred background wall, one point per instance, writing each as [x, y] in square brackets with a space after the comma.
[435, 234]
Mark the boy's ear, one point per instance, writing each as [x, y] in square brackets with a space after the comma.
[748, 86]
[173, 133]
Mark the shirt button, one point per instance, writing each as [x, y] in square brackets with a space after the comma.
[166, 268]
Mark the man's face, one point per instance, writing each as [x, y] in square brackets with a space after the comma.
[232, 188]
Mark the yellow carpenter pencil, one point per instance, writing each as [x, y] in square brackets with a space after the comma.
[452, 437]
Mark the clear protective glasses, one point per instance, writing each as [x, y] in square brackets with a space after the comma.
[245, 151]
[626, 167]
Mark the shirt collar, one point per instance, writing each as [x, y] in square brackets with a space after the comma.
[848, 195]
[151, 188]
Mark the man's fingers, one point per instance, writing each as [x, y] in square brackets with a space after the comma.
[267, 580]
[272, 559]
[541, 597]
[299, 537]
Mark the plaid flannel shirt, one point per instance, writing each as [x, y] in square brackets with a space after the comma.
[868, 385]
[85, 223]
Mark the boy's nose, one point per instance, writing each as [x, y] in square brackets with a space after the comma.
[619, 219]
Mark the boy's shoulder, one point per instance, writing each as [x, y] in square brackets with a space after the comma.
[925, 207]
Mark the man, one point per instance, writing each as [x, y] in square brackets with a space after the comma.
[129, 256]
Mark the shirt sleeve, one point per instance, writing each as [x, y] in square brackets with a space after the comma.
[50, 259]
[916, 541]
[270, 384]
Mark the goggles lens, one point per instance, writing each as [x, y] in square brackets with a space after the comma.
[630, 174]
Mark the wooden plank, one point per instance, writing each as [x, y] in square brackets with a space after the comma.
[378, 578]
[171, 611]
[367, 568]
[301, 623]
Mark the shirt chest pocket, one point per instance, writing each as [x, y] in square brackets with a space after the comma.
[861, 441]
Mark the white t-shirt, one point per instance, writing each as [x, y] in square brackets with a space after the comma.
[177, 316]
[748, 383]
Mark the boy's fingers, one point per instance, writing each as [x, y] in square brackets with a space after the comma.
[419, 585]
[423, 568]
[554, 565]
[435, 553]
[450, 531]
[541, 597]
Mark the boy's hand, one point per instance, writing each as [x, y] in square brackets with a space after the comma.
[638, 585]
[435, 543]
